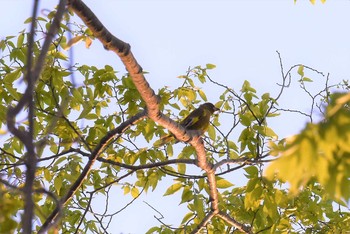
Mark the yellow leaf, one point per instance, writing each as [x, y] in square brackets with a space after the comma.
[173, 188]
[210, 66]
[88, 42]
[222, 183]
[211, 132]
[181, 167]
[202, 94]
[135, 192]
[301, 70]
[73, 41]
[126, 190]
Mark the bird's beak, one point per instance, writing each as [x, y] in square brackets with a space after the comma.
[216, 110]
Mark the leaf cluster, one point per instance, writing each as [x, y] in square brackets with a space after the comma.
[77, 106]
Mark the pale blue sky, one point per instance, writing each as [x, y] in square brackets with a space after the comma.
[240, 37]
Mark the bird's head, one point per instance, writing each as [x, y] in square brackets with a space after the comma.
[210, 106]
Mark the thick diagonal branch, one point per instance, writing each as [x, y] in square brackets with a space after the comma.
[122, 49]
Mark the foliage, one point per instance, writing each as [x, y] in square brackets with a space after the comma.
[77, 106]
[320, 150]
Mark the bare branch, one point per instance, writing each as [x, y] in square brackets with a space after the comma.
[234, 223]
[92, 158]
[146, 166]
[204, 222]
[32, 75]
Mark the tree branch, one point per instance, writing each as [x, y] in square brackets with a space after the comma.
[122, 49]
[234, 223]
[92, 158]
[27, 137]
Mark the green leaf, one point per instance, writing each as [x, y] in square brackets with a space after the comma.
[47, 174]
[181, 168]
[169, 149]
[270, 208]
[87, 109]
[256, 193]
[281, 199]
[201, 184]
[233, 155]
[187, 194]
[8, 226]
[91, 116]
[301, 70]
[12, 91]
[58, 183]
[252, 183]
[253, 198]
[269, 132]
[232, 145]
[20, 40]
[202, 95]
[77, 93]
[28, 20]
[173, 189]
[187, 217]
[265, 96]
[202, 78]
[199, 207]
[306, 79]
[252, 171]
[223, 183]
[318, 152]
[210, 66]
[245, 120]
[154, 230]
[212, 132]
[59, 160]
[247, 88]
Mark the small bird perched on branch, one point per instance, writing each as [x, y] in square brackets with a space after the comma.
[196, 120]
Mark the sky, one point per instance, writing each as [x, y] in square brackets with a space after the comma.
[240, 37]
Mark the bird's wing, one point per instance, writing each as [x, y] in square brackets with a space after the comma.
[192, 118]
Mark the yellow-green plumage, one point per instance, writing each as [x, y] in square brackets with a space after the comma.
[196, 120]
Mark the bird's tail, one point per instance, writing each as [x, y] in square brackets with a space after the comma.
[164, 140]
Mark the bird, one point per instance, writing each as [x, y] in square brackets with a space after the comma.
[198, 120]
